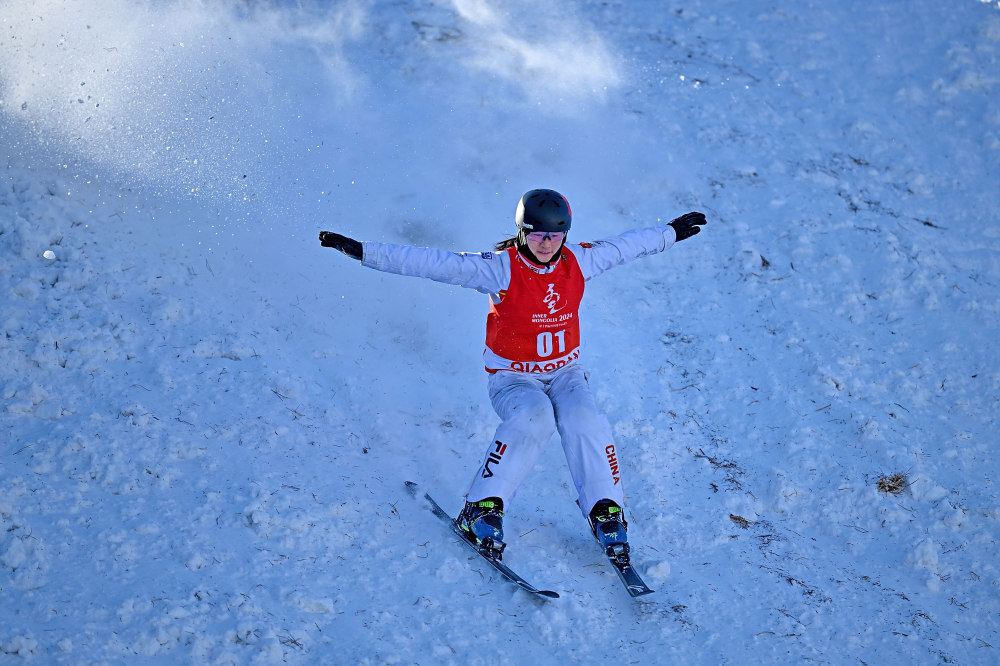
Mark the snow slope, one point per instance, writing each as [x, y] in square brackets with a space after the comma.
[207, 418]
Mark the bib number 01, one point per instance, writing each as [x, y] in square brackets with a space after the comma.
[549, 342]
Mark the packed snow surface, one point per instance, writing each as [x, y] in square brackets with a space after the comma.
[207, 419]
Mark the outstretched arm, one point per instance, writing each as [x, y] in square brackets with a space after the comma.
[602, 255]
[486, 272]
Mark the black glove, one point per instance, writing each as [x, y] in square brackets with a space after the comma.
[687, 225]
[348, 246]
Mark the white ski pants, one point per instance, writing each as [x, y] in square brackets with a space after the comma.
[533, 408]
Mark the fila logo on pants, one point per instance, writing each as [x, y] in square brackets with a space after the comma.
[494, 457]
[613, 462]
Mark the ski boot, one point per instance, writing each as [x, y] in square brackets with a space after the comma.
[482, 523]
[609, 526]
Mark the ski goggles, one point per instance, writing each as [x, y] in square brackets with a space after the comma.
[539, 236]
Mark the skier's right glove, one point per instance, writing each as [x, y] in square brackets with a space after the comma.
[687, 225]
[348, 246]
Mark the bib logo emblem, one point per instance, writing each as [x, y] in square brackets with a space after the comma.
[552, 299]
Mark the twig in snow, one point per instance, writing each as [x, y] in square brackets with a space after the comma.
[893, 484]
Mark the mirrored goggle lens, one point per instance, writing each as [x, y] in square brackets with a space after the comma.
[539, 236]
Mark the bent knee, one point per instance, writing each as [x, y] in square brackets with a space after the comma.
[535, 417]
[585, 418]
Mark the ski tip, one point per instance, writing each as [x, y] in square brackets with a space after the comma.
[547, 593]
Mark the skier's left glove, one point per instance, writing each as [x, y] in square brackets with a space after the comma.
[687, 225]
[348, 246]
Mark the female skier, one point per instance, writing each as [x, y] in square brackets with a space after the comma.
[535, 282]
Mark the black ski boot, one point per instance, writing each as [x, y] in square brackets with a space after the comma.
[607, 520]
[482, 524]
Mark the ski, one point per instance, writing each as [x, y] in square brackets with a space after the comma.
[618, 556]
[619, 559]
[504, 570]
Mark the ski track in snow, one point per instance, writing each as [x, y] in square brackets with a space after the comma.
[207, 419]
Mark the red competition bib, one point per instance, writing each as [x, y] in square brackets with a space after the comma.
[536, 326]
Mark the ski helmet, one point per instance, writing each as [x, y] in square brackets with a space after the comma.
[543, 210]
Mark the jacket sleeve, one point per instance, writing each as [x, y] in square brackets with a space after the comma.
[599, 256]
[486, 272]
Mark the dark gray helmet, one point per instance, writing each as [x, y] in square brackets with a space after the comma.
[543, 210]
